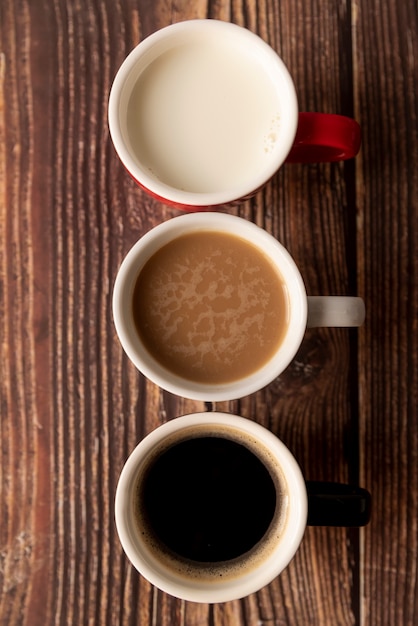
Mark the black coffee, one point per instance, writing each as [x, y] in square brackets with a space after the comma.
[207, 499]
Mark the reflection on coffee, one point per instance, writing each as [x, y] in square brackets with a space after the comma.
[210, 307]
[210, 505]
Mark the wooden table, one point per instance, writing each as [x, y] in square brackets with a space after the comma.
[72, 405]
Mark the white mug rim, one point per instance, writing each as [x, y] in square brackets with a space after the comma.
[119, 94]
[240, 586]
[210, 221]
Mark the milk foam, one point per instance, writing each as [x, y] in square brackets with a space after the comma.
[203, 117]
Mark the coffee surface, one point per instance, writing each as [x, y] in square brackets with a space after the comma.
[204, 116]
[210, 307]
[208, 499]
[193, 470]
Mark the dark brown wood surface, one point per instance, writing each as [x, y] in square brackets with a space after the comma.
[73, 407]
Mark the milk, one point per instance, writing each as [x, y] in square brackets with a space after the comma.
[204, 116]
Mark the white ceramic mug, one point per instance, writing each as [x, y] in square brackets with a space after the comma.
[204, 112]
[302, 311]
[145, 543]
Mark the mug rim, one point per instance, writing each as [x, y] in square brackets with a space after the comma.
[169, 230]
[122, 88]
[240, 585]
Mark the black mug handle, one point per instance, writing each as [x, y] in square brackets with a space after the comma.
[336, 504]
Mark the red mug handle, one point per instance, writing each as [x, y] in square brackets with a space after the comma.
[324, 137]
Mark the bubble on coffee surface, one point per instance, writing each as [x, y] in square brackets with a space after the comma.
[273, 135]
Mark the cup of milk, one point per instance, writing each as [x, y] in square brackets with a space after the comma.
[203, 113]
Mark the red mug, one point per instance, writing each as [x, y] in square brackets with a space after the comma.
[203, 113]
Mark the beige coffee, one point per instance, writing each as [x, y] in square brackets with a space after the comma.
[210, 307]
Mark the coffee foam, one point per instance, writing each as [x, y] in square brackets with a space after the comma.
[225, 570]
[237, 309]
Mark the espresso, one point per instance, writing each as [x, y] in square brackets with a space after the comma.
[210, 307]
[208, 499]
[210, 505]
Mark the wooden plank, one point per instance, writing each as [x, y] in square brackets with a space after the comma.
[385, 56]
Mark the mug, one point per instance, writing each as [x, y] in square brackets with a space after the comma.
[203, 112]
[211, 507]
[211, 307]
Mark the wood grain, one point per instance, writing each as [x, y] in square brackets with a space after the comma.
[72, 405]
[388, 188]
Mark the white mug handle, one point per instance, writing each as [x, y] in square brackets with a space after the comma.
[340, 311]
